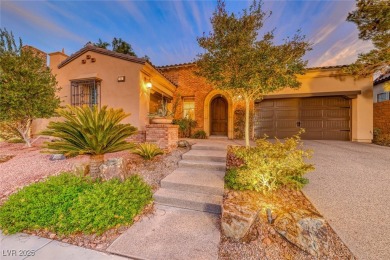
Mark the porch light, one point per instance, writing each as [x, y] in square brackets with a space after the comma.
[148, 85]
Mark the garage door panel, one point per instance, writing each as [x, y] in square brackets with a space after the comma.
[327, 118]
[287, 114]
[337, 113]
[315, 113]
[312, 124]
[336, 125]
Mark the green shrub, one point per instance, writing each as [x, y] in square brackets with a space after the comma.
[68, 204]
[381, 138]
[270, 165]
[200, 134]
[185, 126]
[148, 150]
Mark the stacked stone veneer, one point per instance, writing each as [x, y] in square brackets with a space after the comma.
[139, 137]
[164, 135]
[382, 116]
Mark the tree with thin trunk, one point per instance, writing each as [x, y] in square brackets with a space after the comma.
[90, 131]
[372, 18]
[122, 46]
[238, 60]
[27, 87]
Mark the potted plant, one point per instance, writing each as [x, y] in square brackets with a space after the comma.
[163, 115]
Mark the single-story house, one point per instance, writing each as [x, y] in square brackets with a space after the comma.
[330, 105]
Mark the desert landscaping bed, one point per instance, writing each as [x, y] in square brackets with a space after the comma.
[263, 240]
[282, 224]
[25, 166]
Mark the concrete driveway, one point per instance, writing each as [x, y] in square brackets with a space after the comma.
[351, 188]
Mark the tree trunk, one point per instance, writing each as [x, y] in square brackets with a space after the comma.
[95, 162]
[247, 111]
[23, 128]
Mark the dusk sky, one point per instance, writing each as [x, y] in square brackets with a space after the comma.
[166, 31]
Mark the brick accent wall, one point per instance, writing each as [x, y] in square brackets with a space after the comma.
[164, 135]
[139, 137]
[382, 116]
[189, 85]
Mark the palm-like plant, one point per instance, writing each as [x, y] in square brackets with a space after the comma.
[91, 131]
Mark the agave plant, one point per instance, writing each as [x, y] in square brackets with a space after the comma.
[148, 150]
[90, 131]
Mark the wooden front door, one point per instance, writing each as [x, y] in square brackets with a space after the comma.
[219, 116]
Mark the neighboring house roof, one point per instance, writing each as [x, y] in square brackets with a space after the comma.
[188, 64]
[127, 57]
[382, 78]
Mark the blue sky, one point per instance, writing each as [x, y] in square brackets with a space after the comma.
[166, 31]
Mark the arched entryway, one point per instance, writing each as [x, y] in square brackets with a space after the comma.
[208, 116]
[219, 116]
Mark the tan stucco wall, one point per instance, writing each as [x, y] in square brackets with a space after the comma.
[317, 81]
[130, 95]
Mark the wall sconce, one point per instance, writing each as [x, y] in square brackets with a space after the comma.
[148, 83]
[121, 78]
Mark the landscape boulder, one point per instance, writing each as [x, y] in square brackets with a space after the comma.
[80, 168]
[183, 143]
[57, 157]
[305, 229]
[113, 168]
[238, 215]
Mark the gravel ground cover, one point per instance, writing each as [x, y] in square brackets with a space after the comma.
[27, 165]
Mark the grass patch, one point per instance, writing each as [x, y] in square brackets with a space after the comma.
[69, 204]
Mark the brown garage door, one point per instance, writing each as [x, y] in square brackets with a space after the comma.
[323, 118]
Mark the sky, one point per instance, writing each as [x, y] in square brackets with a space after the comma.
[166, 31]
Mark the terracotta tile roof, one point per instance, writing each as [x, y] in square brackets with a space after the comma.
[93, 48]
[193, 64]
[90, 47]
[382, 78]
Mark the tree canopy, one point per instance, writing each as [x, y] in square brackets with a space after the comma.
[239, 60]
[372, 18]
[117, 44]
[27, 86]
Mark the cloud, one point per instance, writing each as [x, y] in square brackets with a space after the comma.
[38, 21]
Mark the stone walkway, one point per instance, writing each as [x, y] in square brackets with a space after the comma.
[186, 224]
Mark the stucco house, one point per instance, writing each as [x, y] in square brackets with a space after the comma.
[329, 105]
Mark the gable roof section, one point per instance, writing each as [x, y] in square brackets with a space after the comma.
[382, 78]
[114, 54]
[92, 48]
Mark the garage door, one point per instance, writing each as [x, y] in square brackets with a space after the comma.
[323, 118]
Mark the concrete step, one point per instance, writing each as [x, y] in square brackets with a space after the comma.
[206, 155]
[193, 180]
[189, 200]
[205, 165]
[213, 147]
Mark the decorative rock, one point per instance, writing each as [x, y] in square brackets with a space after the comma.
[81, 168]
[238, 215]
[113, 168]
[183, 143]
[57, 157]
[266, 241]
[304, 229]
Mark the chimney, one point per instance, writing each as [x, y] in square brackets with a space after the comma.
[56, 58]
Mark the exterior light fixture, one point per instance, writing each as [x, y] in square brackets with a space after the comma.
[121, 78]
[148, 85]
